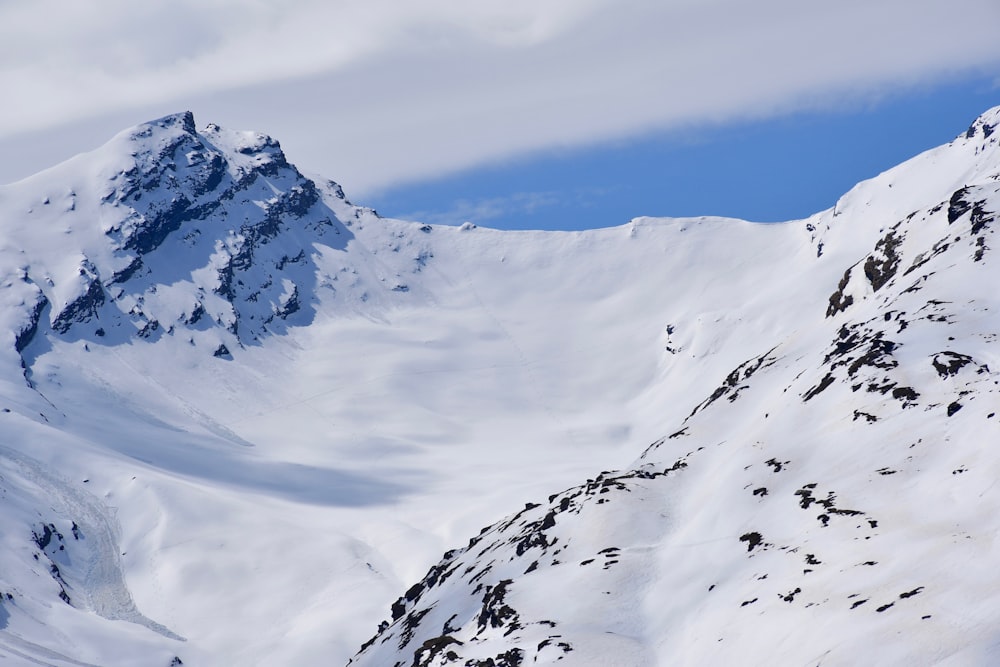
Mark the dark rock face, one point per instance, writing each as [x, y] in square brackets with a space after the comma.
[27, 332]
[959, 205]
[881, 265]
[82, 309]
[949, 363]
[839, 301]
[735, 382]
[963, 201]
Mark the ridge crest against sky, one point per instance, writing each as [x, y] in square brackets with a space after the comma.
[382, 96]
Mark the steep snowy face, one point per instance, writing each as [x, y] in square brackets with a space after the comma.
[833, 501]
[167, 229]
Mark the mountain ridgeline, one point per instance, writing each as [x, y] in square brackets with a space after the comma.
[243, 417]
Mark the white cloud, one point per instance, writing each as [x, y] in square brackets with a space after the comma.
[377, 92]
[481, 211]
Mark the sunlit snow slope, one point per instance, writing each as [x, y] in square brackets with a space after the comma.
[243, 419]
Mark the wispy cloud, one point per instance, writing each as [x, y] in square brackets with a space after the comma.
[379, 92]
[482, 211]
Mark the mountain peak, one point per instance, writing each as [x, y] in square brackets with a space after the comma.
[165, 128]
[183, 120]
[168, 228]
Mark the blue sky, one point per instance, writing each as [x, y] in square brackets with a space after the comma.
[517, 113]
[782, 168]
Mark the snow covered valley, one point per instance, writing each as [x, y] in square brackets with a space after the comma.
[246, 422]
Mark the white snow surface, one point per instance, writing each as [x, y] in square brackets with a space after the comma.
[242, 417]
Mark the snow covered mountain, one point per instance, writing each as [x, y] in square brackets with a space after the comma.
[243, 418]
[832, 501]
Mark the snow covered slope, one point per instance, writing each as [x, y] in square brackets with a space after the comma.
[242, 417]
[832, 501]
